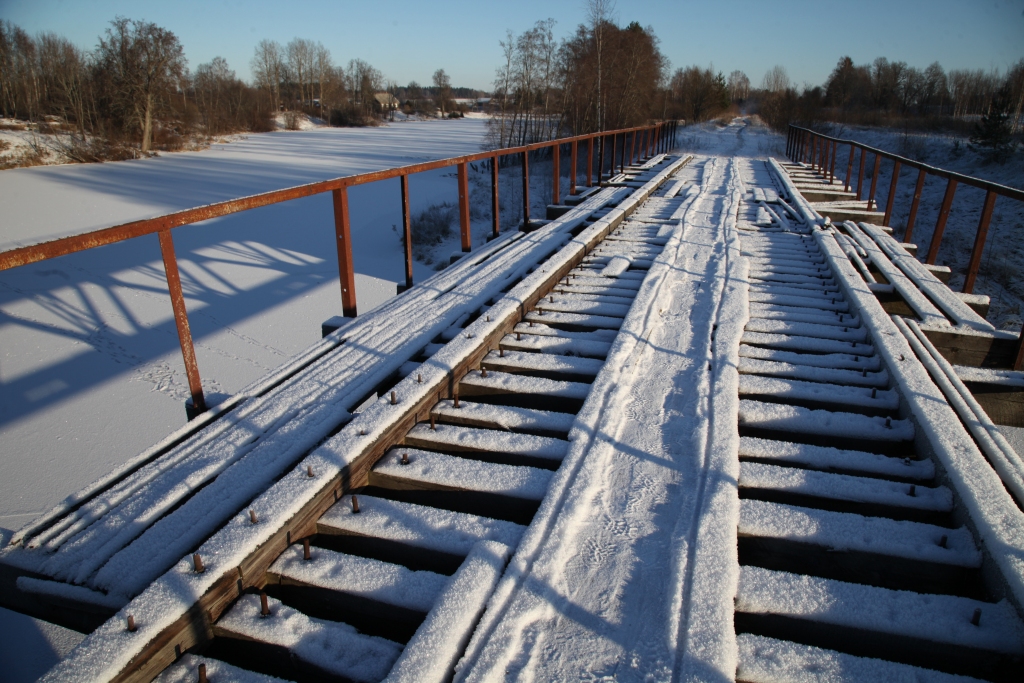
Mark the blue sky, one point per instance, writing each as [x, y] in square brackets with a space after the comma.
[409, 39]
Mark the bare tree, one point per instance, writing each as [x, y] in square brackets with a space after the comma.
[599, 13]
[739, 86]
[300, 66]
[443, 86]
[143, 62]
[776, 80]
[268, 69]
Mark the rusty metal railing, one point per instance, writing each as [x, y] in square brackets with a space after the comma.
[644, 141]
[820, 151]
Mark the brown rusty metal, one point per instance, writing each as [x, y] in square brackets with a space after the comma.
[601, 144]
[892, 193]
[979, 241]
[914, 204]
[860, 173]
[572, 163]
[188, 351]
[874, 182]
[590, 162]
[1019, 360]
[940, 224]
[407, 230]
[832, 169]
[464, 225]
[615, 144]
[632, 148]
[343, 235]
[556, 174]
[526, 189]
[495, 205]
[849, 171]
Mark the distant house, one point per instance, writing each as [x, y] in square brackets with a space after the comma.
[387, 101]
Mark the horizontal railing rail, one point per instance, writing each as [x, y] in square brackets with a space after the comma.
[643, 142]
[820, 151]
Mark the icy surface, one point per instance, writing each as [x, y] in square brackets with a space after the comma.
[767, 660]
[418, 525]
[848, 531]
[389, 583]
[941, 618]
[332, 646]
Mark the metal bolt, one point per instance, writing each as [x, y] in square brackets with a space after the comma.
[943, 540]
[456, 398]
[519, 336]
[202, 674]
[419, 379]
[355, 505]
[874, 392]
[394, 399]
[264, 607]
[306, 555]
[488, 319]
[551, 299]
[252, 516]
[131, 623]
[501, 353]
[864, 372]
[197, 563]
[405, 458]
[976, 618]
[483, 372]
[309, 471]
[913, 491]
[888, 422]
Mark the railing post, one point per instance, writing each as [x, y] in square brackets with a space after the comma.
[188, 351]
[590, 161]
[650, 140]
[572, 162]
[600, 158]
[556, 173]
[849, 171]
[1019, 361]
[622, 157]
[406, 229]
[892, 193]
[832, 170]
[860, 173]
[914, 204]
[874, 181]
[979, 241]
[495, 205]
[526, 190]
[464, 226]
[940, 225]
[615, 143]
[632, 148]
[346, 273]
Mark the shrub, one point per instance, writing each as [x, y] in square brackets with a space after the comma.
[430, 228]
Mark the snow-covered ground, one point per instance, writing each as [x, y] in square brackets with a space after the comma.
[1003, 259]
[90, 369]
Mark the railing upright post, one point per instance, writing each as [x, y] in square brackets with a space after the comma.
[590, 161]
[832, 167]
[572, 162]
[495, 205]
[789, 142]
[615, 143]
[343, 233]
[874, 181]
[600, 158]
[815, 152]
[1019, 361]
[652, 133]
[464, 226]
[849, 171]
[892, 193]
[526, 190]
[622, 157]
[940, 224]
[188, 351]
[914, 205]
[632, 147]
[406, 229]
[979, 241]
[556, 173]
[860, 173]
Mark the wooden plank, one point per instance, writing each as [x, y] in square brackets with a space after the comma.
[978, 349]
[1003, 404]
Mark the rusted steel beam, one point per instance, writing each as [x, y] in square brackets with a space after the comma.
[407, 230]
[495, 205]
[615, 144]
[188, 351]
[832, 169]
[590, 162]
[892, 193]
[464, 225]
[632, 147]
[600, 158]
[940, 224]
[874, 182]
[343, 233]
[860, 173]
[979, 241]
[572, 163]
[914, 204]
[526, 189]
[849, 171]
[556, 174]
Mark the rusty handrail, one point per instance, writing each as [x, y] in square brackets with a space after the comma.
[658, 137]
[804, 144]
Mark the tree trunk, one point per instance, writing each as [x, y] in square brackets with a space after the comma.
[147, 126]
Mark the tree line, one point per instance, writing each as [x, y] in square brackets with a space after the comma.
[134, 91]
